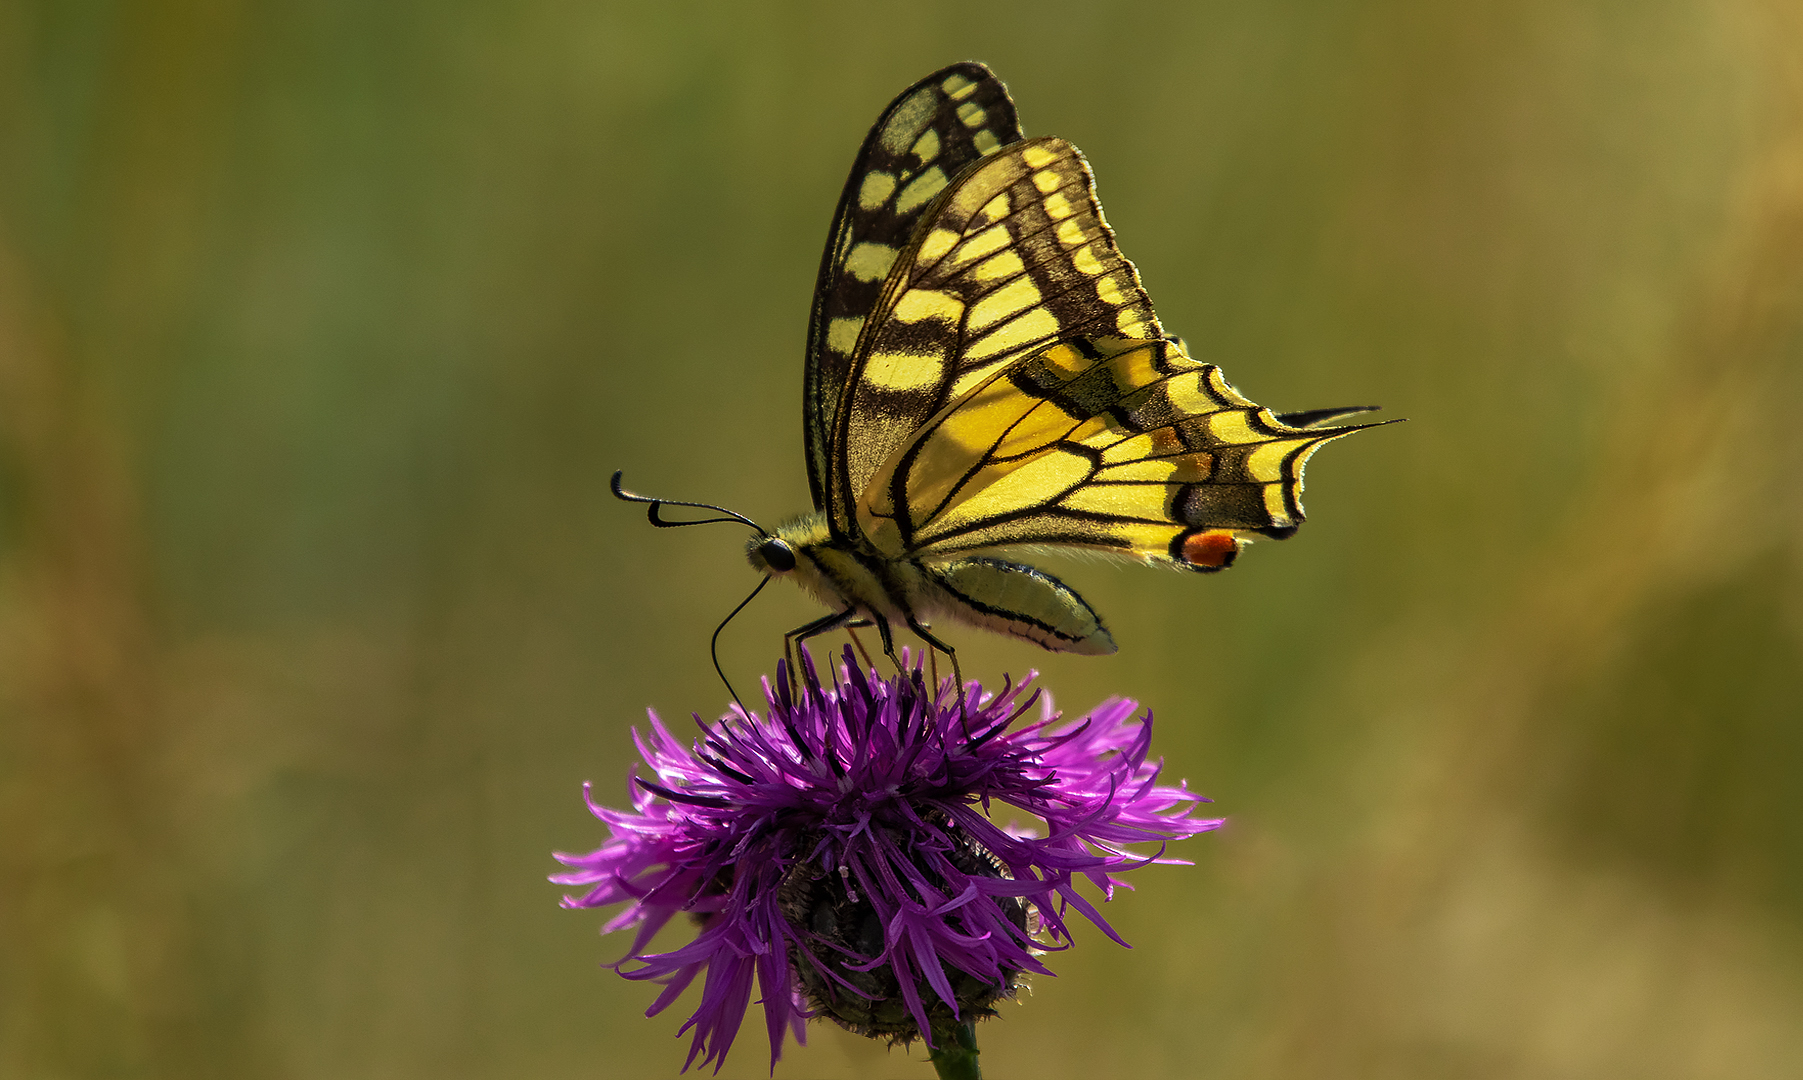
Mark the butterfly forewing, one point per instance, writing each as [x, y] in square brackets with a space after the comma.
[1014, 256]
[1120, 445]
[931, 132]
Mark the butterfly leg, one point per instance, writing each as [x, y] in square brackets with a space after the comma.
[851, 631]
[951, 654]
[882, 627]
[794, 638]
[882, 630]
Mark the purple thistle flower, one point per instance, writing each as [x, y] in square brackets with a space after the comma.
[840, 850]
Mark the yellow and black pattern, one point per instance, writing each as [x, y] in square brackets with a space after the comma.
[1013, 257]
[1111, 444]
[931, 133]
[985, 373]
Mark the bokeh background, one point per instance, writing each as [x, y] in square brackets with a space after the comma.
[324, 322]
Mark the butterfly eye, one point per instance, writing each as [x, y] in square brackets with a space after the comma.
[777, 555]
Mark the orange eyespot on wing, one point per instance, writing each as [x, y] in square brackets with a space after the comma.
[1213, 549]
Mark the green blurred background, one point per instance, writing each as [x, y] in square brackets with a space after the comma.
[323, 323]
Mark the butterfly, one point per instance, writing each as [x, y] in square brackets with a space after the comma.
[985, 374]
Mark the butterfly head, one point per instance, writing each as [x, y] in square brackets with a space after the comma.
[790, 546]
[771, 554]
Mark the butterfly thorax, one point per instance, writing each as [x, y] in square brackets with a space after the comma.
[840, 572]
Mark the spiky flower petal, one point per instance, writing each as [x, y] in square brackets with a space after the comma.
[839, 850]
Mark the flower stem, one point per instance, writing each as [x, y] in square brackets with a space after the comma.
[955, 1056]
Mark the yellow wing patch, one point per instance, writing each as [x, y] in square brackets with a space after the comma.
[1112, 444]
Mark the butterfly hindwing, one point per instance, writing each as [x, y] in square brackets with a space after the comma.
[1112, 444]
[929, 134]
[1014, 256]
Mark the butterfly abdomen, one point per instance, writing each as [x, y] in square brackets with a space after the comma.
[990, 594]
[1020, 601]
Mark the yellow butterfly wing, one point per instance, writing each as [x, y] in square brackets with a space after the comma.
[1011, 387]
[1116, 445]
[1013, 256]
[928, 135]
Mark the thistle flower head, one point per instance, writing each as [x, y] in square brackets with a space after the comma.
[839, 850]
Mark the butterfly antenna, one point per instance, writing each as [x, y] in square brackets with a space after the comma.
[651, 514]
[713, 644]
